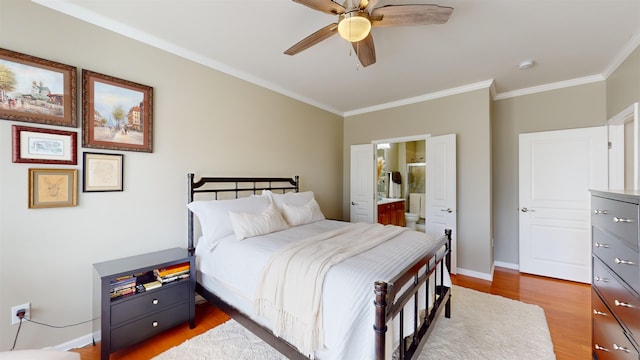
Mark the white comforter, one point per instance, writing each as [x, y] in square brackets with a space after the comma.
[234, 268]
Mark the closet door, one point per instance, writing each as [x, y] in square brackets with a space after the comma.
[556, 171]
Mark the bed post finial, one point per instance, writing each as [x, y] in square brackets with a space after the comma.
[380, 326]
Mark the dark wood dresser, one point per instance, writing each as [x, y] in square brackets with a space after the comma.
[615, 292]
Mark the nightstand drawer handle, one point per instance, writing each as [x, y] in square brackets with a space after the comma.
[597, 244]
[596, 212]
[154, 324]
[621, 220]
[623, 304]
[621, 348]
[598, 278]
[596, 312]
[598, 347]
[155, 301]
[624, 262]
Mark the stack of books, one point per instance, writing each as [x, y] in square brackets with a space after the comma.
[172, 273]
[122, 286]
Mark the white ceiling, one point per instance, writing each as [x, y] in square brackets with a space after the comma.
[571, 41]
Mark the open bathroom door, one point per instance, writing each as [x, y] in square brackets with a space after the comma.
[362, 184]
[441, 190]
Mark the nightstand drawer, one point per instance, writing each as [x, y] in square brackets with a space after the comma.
[618, 256]
[148, 326]
[149, 302]
[609, 339]
[623, 303]
[618, 217]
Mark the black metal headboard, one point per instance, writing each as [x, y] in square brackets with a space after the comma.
[234, 187]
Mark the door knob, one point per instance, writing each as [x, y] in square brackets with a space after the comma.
[353, 203]
[524, 209]
[447, 210]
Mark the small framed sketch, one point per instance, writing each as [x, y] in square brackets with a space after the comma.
[44, 146]
[117, 113]
[50, 188]
[102, 172]
[37, 90]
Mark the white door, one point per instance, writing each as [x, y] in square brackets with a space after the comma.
[440, 207]
[556, 170]
[362, 183]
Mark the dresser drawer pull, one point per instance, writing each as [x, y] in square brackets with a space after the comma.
[624, 262]
[596, 312]
[155, 301]
[623, 304]
[597, 244]
[597, 212]
[621, 220]
[598, 347]
[154, 324]
[598, 278]
[621, 348]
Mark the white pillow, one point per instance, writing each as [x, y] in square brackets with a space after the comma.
[290, 198]
[305, 214]
[214, 215]
[247, 225]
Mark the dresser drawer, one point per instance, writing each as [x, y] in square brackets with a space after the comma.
[149, 302]
[622, 302]
[618, 217]
[148, 326]
[618, 256]
[609, 339]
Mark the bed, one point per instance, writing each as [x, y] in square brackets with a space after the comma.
[378, 304]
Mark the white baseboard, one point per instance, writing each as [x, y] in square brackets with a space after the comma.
[78, 342]
[475, 274]
[507, 265]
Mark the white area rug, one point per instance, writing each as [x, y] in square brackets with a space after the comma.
[481, 326]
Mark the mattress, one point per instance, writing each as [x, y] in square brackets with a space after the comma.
[233, 268]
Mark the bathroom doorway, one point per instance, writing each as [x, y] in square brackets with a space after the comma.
[440, 181]
[401, 182]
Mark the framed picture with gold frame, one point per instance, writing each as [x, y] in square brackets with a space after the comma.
[37, 90]
[50, 188]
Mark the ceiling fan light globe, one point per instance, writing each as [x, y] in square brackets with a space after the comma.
[354, 27]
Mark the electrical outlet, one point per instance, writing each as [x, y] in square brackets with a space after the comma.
[14, 310]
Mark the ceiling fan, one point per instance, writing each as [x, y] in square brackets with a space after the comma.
[357, 17]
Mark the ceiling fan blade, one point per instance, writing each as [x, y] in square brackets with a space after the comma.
[368, 4]
[406, 15]
[365, 50]
[313, 39]
[326, 6]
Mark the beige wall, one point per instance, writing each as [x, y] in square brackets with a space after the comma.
[623, 86]
[204, 122]
[467, 116]
[574, 107]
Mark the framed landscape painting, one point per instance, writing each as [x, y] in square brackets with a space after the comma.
[37, 90]
[117, 113]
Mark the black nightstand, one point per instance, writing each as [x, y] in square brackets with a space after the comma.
[127, 316]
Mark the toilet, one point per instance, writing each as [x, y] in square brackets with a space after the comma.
[410, 220]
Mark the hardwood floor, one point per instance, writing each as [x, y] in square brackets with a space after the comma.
[567, 306]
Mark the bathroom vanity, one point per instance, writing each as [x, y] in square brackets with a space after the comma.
[391, 211]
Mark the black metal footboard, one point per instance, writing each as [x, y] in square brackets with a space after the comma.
[392, 297]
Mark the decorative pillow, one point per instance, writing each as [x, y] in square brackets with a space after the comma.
[305, 214]
[290, 198]
[214, 215]
[247, 225]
